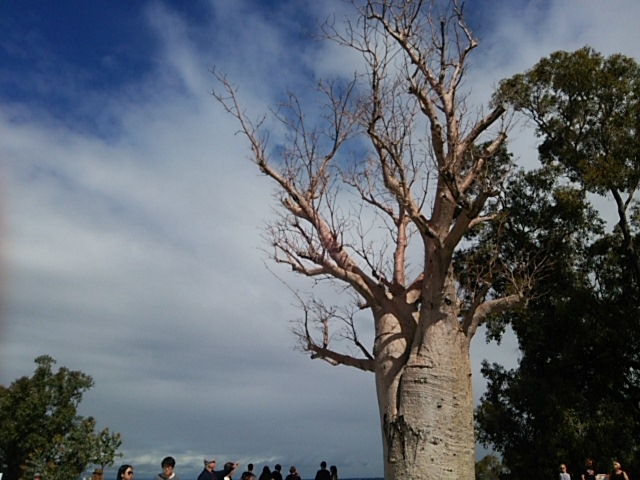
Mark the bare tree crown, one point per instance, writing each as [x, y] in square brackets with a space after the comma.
[395, 155]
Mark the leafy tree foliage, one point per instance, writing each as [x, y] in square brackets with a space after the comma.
[42, 431]
[106, 448]
[586, 109]
[576, 391]
[489, 468]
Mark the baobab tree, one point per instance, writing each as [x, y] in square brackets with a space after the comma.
[385, 192]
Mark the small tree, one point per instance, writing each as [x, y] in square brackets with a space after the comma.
[489, 468]
[106, 449]
[41, 429]
[378, 193]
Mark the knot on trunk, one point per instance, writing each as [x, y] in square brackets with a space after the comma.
[403, 441]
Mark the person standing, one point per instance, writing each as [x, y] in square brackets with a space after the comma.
[333, 470]
[618, 473]
[323, 473]
[293, 474]
[168, 464]
[248, 474]
[125, 472]
[276, 474]
[228, 470]
[266, 473]
[589, 472]
[208, 473]
[564, 475]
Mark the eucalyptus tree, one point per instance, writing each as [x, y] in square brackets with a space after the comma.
[586, 110]
[377, 195]
[576, 391]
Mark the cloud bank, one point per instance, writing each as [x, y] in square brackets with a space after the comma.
[131, 221]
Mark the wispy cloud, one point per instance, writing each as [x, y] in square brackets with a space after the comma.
[132, 217]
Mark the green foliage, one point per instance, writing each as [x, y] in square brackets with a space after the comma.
[576, 390]
[586, 108]
[489, 468]
[42, 431]
[559, 224]
[106, 448]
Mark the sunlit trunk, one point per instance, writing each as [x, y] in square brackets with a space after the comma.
[427, 409]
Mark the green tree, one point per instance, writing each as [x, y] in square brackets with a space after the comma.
[576, 390]
[106, 449]
[489, 468]
[586, 109]
[41, 429]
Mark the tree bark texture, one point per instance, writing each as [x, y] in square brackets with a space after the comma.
[425, 395]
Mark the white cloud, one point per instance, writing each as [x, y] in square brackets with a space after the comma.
[131, 243]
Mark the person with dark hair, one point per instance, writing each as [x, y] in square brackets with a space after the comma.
[266, 473]
[277, 472]
[564, 475]
[323, 473]
[334, 472]
[168, 464]
[125, 472]
[229, 469]
[293, 474]
[248, 474]
[589, 471]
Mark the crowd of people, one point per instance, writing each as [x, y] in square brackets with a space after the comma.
[589, 472]
[168, 464]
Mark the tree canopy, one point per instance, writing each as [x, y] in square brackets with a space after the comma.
[576, 391]
[42, 431]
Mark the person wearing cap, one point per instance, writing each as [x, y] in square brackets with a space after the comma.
[210, 474]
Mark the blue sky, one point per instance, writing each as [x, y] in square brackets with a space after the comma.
[131, 216]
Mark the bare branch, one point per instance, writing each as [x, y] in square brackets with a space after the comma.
[491, 307]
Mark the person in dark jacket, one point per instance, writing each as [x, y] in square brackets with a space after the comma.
[210, 474]
[266, 473]
[248, 474]
[293, 474]
[277, 472]
[323, 473]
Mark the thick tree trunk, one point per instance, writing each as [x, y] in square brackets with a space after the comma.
[426, 407]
